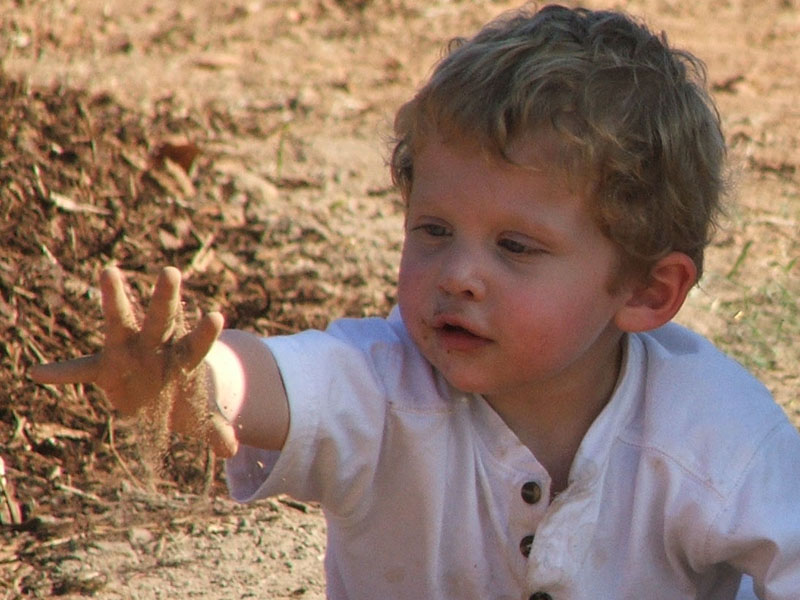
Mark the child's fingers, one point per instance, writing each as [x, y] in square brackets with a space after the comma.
[195, 345]
[120, 321]
[77, 370]
[162, 313]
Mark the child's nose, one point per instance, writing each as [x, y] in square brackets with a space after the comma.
[461, 275]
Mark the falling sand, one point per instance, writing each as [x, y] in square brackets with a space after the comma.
[155, 418]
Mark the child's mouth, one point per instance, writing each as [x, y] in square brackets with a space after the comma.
[457, 338]
[455, 329]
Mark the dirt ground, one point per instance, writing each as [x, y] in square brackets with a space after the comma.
[245, 142]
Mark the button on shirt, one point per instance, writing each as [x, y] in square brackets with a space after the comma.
[428, 494]
[531, 492]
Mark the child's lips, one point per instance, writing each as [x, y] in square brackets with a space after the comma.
[455, 336]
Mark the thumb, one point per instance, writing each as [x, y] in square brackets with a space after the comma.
[77, 370]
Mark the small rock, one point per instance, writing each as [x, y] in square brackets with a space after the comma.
[139, 536]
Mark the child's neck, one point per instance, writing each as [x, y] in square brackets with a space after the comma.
[553, 424]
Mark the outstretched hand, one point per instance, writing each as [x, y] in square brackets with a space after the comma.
[142, 366]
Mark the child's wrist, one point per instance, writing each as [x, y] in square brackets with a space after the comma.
[224, 386]
[224, 381]
[208, 400]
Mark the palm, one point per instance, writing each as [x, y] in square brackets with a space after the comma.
[137, 364]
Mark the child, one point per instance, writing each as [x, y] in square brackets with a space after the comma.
[528, 423]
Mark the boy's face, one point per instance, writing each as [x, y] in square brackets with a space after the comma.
[504, 277]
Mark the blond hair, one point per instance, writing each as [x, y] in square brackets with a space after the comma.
[631, 114]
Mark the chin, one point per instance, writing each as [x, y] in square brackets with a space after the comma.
[466, 385]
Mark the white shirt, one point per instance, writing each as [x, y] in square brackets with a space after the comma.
[689, 476]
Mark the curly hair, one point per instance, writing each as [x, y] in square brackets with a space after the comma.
[630, 113]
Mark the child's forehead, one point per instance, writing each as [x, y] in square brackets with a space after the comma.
[530, 169]
[540, 150]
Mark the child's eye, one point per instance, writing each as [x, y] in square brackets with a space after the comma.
[516, 247]
[434, 229]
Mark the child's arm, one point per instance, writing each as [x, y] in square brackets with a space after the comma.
[233, 396]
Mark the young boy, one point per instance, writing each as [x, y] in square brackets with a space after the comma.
[528, 423]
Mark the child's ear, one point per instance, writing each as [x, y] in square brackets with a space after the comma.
[656, 300]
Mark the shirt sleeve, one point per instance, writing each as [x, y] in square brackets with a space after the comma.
[758, 529]
[337, 409]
